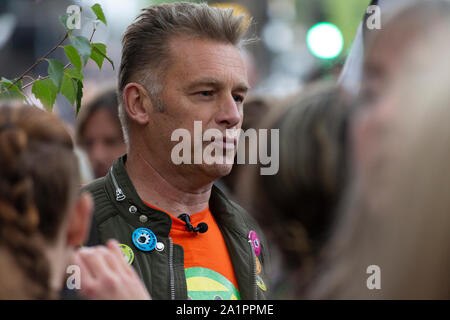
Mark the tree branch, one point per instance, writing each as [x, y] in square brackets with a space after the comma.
[38, 61]
[93, 31]
[42, 78]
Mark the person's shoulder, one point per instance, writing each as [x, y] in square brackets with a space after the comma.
[103, 208]
[236, 210]
[94, 185]
[96, 188]
[245, 222]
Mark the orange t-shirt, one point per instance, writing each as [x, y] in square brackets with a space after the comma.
[207, 264]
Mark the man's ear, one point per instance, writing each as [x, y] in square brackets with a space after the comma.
[137, 103]
[80, 220]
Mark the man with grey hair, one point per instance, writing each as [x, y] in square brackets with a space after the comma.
[180, 63]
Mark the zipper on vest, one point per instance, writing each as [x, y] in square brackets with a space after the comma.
[171, 270]
[254, 270]
[120, 196]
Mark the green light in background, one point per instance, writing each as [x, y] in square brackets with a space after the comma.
[325, 40]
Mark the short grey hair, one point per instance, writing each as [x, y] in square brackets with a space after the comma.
[145, 51]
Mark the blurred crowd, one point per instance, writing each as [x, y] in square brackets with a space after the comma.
[363, 180]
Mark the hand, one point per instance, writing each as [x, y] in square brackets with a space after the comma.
[105, 275]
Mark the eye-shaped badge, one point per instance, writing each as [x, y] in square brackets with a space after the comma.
[256, 244]
[144, 239]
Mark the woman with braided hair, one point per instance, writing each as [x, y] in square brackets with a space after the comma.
[44, 218]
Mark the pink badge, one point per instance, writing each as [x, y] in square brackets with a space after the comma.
[253, 236]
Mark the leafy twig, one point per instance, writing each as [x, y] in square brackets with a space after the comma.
[42, 78]
[38, 61]
[61, 79]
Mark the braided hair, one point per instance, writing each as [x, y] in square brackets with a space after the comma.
[38, 182]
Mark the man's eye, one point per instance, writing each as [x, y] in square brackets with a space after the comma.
[238, 98]
[206, 93]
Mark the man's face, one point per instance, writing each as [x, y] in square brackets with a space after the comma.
[205, 81]
[102, 140]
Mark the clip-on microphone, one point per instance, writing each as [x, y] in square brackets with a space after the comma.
[202, 227]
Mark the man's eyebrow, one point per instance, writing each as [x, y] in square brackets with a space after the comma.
[204, 82]
[213, 82]
[242, 86]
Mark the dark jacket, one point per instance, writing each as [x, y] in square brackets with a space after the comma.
[117, 213]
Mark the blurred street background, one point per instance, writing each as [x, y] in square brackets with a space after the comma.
[280, 63]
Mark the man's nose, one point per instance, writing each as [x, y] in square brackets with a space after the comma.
[230, 113]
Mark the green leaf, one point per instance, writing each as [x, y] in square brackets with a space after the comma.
[83, 47]
[69, 87]
[99, 54]
[6, 82]
[79, 94]
[55, 71]
[63, 19]
[73, 56]
[99, 13]
[75, 74]
[46, 91]
[110, 61]
[10, 92]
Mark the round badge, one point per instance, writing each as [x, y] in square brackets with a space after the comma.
[128, 254]
[253, 236]
[260, 283]
[144, 239]
[258, 266]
